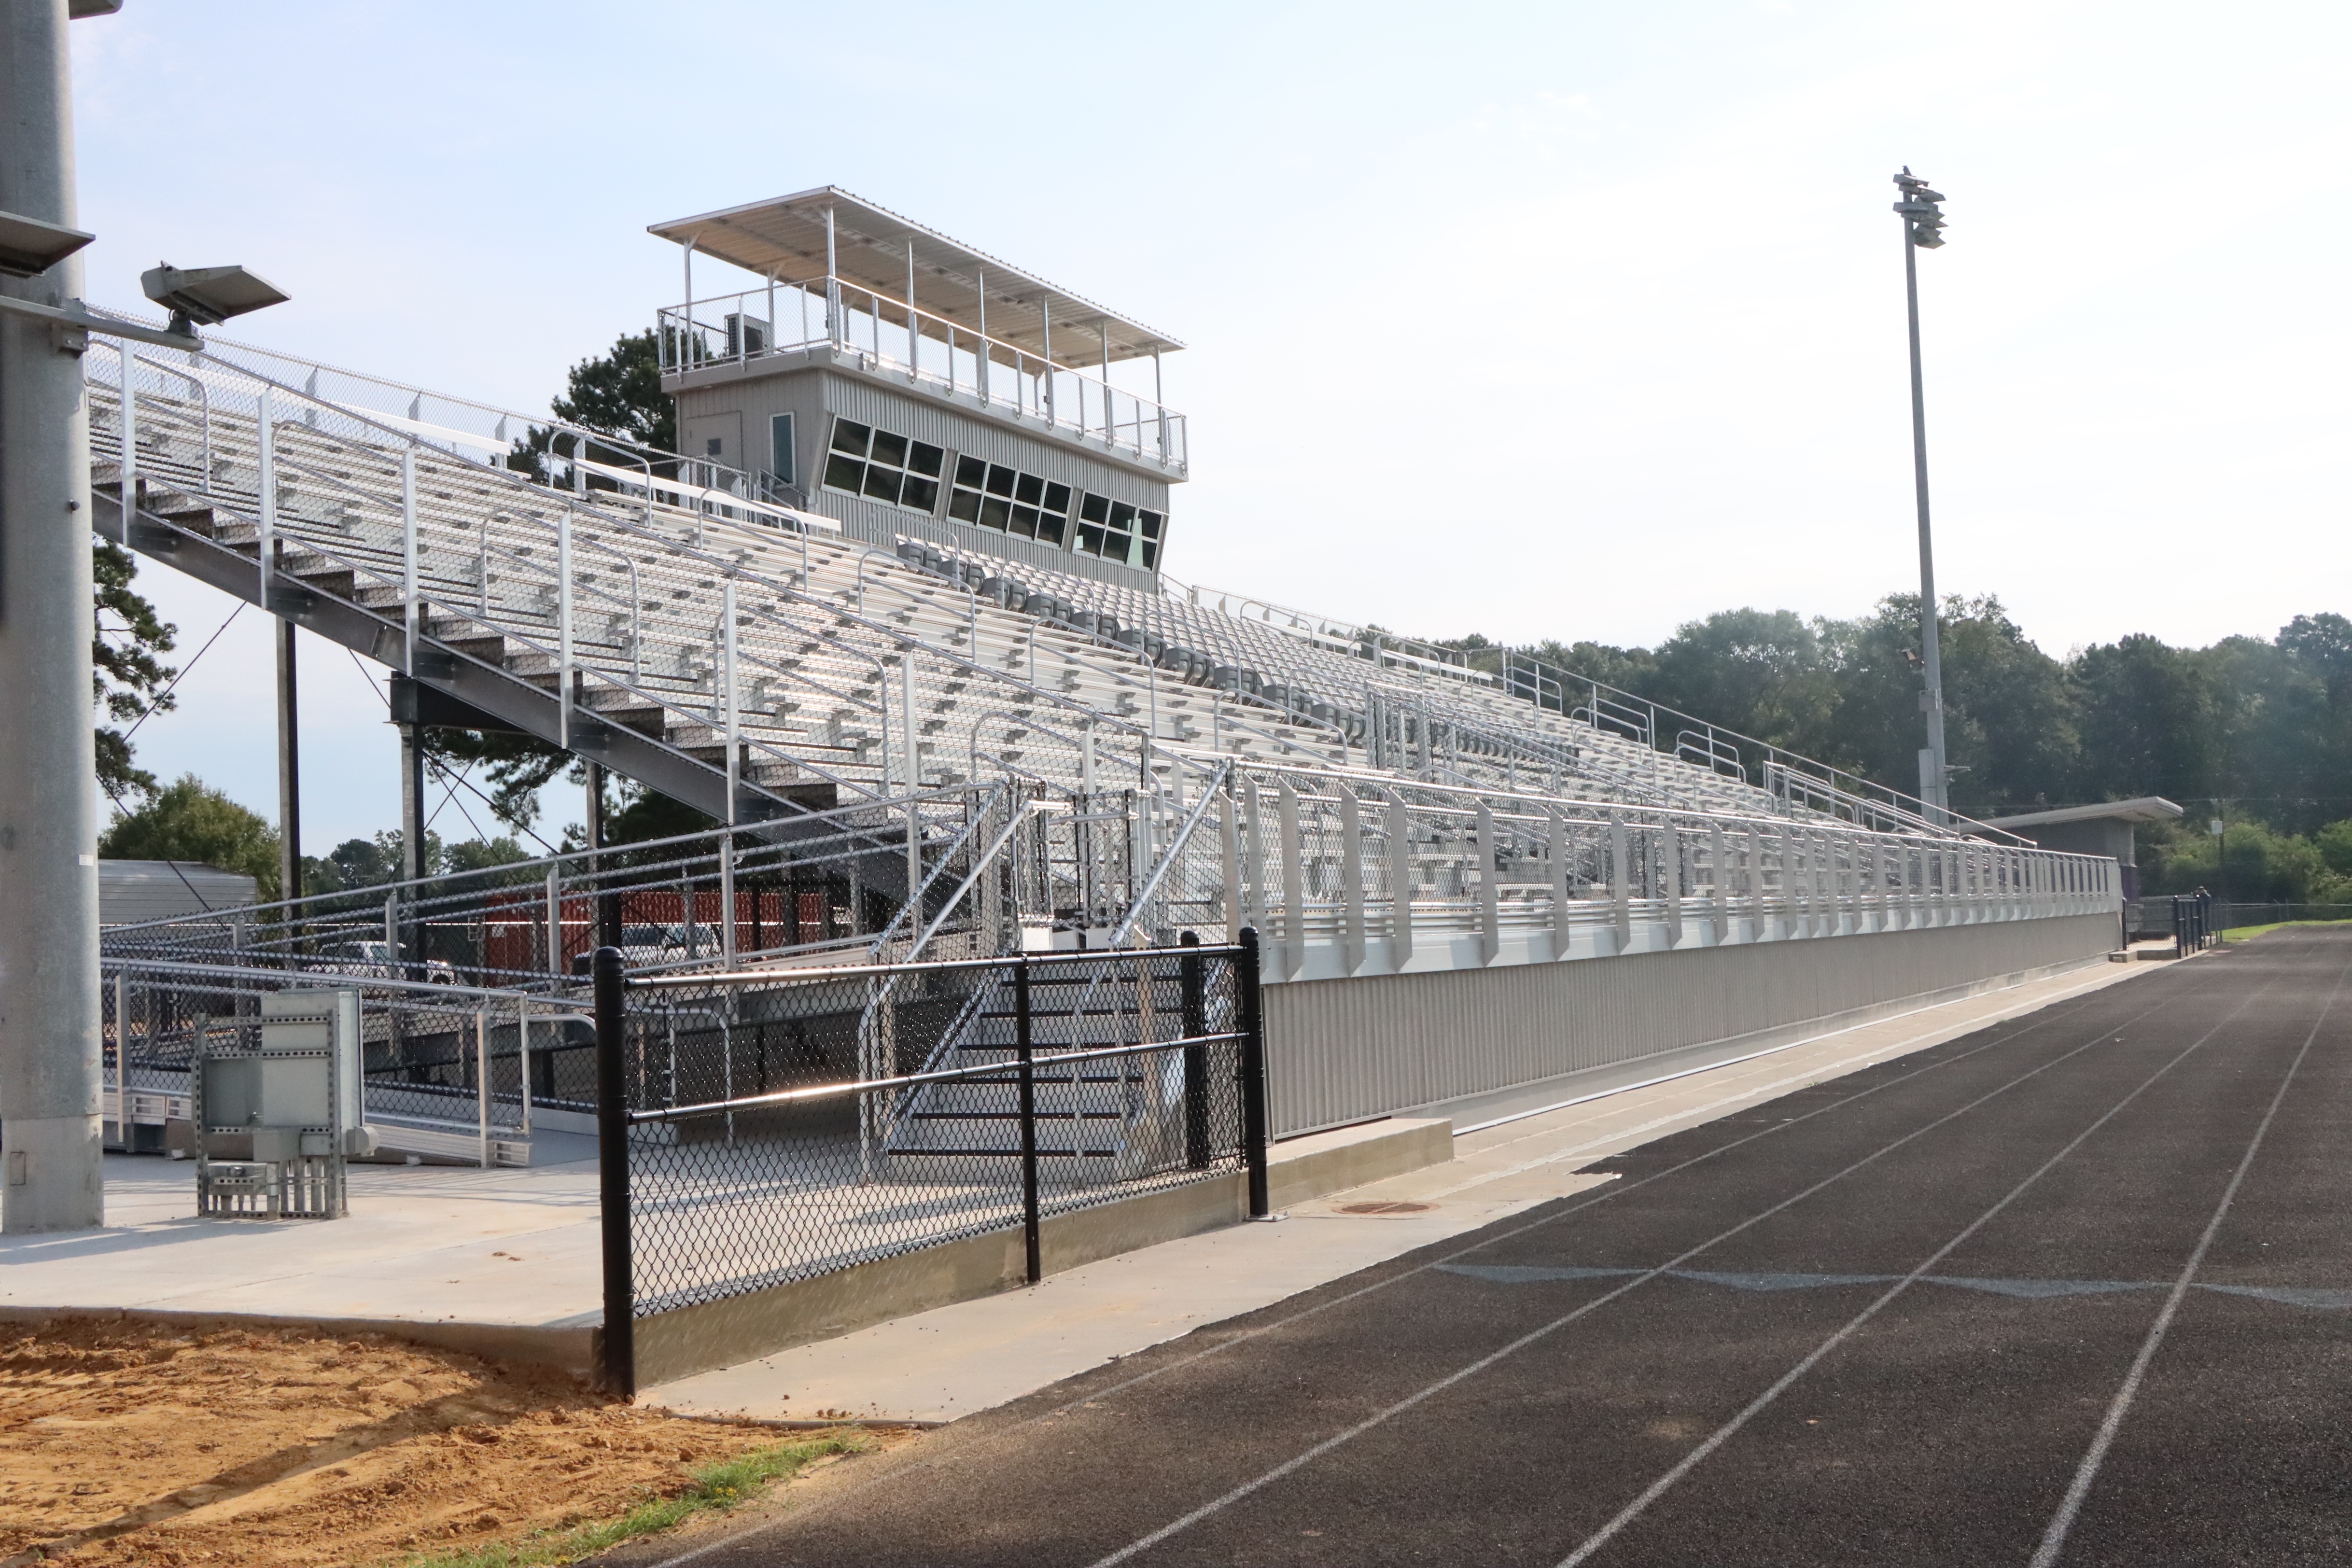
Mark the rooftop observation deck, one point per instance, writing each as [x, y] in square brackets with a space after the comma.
[847, 278]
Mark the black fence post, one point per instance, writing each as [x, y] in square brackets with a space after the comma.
[620, 1340]
[1253, 1073]
[1033, 1242]
[1192, 988]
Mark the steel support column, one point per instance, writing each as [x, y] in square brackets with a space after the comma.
[50, 1012]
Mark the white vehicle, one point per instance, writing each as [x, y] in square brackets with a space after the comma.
[643, 945]
[376, 960]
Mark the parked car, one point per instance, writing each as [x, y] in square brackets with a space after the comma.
[376, 960]
[645, 946]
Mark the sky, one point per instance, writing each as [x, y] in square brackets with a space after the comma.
[1574, 320]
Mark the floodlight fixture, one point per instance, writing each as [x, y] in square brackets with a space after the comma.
[30, 246]
[206, 296]
[1921, 216]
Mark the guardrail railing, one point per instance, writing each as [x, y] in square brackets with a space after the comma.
[893, 335]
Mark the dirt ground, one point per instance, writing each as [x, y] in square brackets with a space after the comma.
[122, 1444]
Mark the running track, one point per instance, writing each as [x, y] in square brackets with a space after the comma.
[2073, 1289]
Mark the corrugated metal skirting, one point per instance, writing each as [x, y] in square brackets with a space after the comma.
[1344, 1050]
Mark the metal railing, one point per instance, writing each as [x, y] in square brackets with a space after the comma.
[467, 1065]
[893, 336]
[820, 888]
[1350, 873]
[743, 1149]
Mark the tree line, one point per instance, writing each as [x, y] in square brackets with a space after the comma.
[2254, 731]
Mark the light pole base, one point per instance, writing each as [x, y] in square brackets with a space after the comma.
[51, 1174]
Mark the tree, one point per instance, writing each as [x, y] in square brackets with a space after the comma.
[1760, 672]
[2008, 708]
[617, 394]
[2149, 722]
[189, 820]
[129, 678]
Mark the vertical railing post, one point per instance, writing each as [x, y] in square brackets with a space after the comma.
[619, 1357]
[1490, 908]
[408, 560]
[1033, 1243]
[554, 915]
[266, 459]
[1253, 1072]
[1619, 895]
[482, 1085]
[563, 626]
[1193, 1002]
[128, 417]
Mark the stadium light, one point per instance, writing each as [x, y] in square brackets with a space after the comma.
[207, 296]
[29, 247]
[1923, 229]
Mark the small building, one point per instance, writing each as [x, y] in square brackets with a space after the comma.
[2108, 828]
[131, 892]
[907, 386]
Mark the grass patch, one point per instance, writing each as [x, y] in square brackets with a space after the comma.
[716, 1489]
[2248, 933]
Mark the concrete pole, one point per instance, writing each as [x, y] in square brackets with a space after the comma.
[49, 1007]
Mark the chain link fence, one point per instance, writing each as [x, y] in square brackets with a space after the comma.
[760, 1129]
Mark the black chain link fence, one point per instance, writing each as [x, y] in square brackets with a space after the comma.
[758, 1129]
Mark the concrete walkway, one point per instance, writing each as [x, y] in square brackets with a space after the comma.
[937, 1365]
[510, 1249]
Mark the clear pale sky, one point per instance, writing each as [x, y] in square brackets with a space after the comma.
[1573, 320]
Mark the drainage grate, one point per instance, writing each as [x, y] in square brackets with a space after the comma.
[1389, 1207]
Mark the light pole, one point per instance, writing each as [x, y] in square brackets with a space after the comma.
[49, 1020]
[51, 1072]
[1923, 224]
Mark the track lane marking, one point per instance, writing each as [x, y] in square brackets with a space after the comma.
[1725, 1432]
[1380, 1418]
[2054, 1538]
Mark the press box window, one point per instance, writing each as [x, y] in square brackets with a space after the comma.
[1108, 527]
[884, 467]
[993, 496]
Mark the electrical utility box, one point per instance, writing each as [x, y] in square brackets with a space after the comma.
[276, 1105]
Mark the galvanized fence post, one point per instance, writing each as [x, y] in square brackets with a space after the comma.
[1033, 1242]
[1194, 991]
[619, 1347]
[1253, 1072]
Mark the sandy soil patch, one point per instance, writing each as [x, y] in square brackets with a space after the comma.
[282, 1449]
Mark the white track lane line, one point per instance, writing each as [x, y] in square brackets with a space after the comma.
[1248, 1335]
[1723, 1434]
[1382, 1416]
[2054, 1539]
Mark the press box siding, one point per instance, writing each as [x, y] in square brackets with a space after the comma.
[815, 394]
